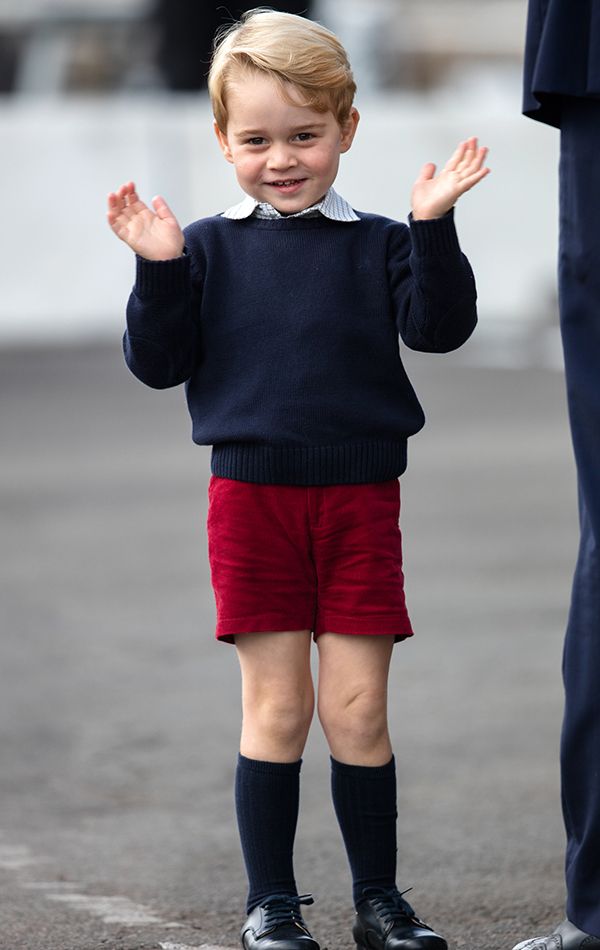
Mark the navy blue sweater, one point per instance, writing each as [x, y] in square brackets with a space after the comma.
[286, 331]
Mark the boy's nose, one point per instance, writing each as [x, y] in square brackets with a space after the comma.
[280, 158]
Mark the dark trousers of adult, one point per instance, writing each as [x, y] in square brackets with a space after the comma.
[579, 299]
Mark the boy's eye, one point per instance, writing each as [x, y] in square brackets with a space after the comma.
[256, 140]
[304, 136]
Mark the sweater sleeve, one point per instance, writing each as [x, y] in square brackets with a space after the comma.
[162, 340]
[432, 286]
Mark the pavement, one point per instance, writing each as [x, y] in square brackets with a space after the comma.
[119, 713]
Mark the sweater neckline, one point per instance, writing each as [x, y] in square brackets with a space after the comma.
[290, 224]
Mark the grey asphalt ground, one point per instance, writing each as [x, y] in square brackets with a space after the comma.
[119, 713]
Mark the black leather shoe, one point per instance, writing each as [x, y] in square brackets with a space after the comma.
[385, 921]
[277, 924]
[565, 937]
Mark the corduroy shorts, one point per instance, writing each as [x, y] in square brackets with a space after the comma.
[324, 559]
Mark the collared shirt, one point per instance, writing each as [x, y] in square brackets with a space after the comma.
[332, 206]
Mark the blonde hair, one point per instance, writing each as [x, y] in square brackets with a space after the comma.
[290, 49]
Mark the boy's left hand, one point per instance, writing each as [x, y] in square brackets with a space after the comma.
[434, 197]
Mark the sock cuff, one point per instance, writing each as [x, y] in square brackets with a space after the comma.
[269, 768]
[364, 771]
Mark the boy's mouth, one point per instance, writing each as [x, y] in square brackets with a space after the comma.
[287, 184]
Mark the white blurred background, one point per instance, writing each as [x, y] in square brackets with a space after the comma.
[95, 92]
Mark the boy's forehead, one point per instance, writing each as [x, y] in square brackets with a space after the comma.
[256, 94]
[255, 90]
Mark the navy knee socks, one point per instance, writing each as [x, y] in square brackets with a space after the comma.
[266, 798]
[364, 799]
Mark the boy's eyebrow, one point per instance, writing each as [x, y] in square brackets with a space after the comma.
[298, 128]
[309, 125]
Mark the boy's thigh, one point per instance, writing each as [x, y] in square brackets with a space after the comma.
[274, 659]
[353, 665]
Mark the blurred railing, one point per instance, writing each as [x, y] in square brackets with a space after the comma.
[112, 44]
[61, 44]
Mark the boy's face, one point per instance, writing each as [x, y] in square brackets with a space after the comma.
[286, 155]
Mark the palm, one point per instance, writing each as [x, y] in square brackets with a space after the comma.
[155, 235]
[432, 196]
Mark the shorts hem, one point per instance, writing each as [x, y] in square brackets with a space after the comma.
[400, 631]
[227, 630]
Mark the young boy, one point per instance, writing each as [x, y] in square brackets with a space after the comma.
[282, 316]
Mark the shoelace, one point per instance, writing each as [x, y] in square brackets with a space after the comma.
[285, 909]
[391, 906]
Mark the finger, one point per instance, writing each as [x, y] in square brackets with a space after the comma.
[117, 224]
[161, 207]
[480, 157]
[132, 203]
[132, 198]
[456, 158]
[115, 200]
[469, 151]
[115, 208]
[427, 172]
[125, 190]
[119, 214]
[467, 183]
[475, 163]
[474, 155]
[129, 197]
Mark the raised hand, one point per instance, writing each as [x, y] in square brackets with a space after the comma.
[155, 235]
[433, 197]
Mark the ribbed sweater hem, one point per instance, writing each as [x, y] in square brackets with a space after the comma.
[345, 464]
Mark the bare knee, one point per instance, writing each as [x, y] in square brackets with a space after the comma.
[277, 694]
[275, 724]
[355, 724]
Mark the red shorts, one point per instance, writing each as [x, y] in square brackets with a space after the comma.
[290, 557]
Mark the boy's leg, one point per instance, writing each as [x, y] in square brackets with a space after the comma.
[277, 701]
[352, 702]
[353, 675]
[277, 694]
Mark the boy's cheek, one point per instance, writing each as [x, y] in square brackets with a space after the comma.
[244, 167]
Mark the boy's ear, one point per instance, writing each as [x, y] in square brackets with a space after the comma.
[349, 129]
[223, 142]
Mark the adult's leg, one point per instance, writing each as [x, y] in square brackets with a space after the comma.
[277, 703]
[579, 295]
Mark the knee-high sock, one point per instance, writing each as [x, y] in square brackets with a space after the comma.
[364, 798]
[267, 797]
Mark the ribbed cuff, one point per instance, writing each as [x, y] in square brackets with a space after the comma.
[161, 278]
[269, 768]
[368, 771]
[436, 236]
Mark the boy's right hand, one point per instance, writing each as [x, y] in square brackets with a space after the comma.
[155, 235]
